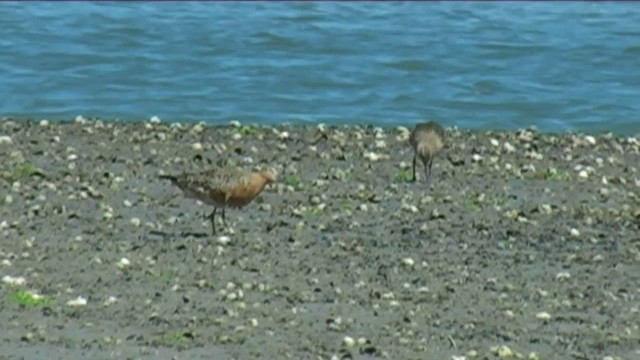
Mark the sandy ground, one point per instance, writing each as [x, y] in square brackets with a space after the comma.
[527, 245]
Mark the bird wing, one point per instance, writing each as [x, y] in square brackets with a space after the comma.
[216, 183]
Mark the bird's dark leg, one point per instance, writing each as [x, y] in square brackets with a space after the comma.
[224, 220]
[414, 167]
[212, 217]
[427, 171]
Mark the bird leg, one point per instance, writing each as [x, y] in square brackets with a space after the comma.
[212, 217]
[427, 171]
[224, 220]
[414, 167]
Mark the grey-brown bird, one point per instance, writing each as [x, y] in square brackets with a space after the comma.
[223, 188]
[427, 140]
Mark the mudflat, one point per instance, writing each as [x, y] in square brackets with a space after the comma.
[526, 245]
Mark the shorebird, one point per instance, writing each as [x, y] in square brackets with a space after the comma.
[223, 188]
[426, 139]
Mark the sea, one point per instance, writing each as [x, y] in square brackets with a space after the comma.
[557, 66]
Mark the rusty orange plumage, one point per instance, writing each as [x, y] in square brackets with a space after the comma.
[223, 188]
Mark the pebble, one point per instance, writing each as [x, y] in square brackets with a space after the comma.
[544, 316]
[197, 128]
[590, 139]
[402, 129]
[123, 263]
[224, 240]
[110, 300]
[509, 148]
[154, 120]
[411, 208]
[348, 341]
[371, 156]
[79, 301]
[135, 221]
[197, 146]
[504, 351]
[4, 139]
[574, 232]
[408, 262]
[11, 280]
[563, 275]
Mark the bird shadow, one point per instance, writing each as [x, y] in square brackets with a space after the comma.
[156, 235]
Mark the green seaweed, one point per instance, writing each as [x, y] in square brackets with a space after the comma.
[292, 180]
[404, 176]
[471, 205]
[178, 337]
[553, 174]
[24, 171]
[28, 299]
[313, 212]
[244, 130]
[346, 206]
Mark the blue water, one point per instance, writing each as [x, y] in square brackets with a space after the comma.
[556, 65]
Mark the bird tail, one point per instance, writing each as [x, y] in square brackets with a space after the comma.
[430, 143]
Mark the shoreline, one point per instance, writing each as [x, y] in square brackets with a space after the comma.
[301, 125]
[526, 243]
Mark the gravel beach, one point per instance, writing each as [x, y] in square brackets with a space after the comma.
[526, 245]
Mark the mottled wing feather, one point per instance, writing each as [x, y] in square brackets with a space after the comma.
[213, 183]
[226, 180]
[191, 182]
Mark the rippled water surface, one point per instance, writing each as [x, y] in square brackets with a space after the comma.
[558, 66]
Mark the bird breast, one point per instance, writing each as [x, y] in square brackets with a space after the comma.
[243, 195]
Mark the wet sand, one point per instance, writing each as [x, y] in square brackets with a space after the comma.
[526, 245]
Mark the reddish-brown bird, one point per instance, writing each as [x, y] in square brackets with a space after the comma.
[223, 188]
[427, 140]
